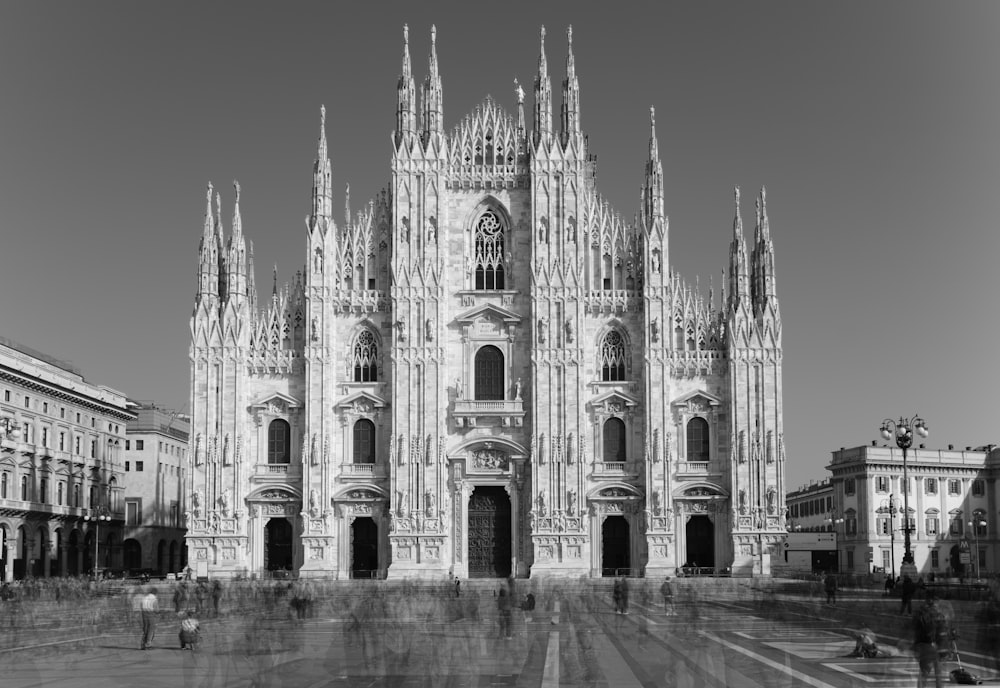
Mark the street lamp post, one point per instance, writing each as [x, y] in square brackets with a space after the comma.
[903, 431]
[976, 525]
[9, 429]
[889, 507]
[97, 515]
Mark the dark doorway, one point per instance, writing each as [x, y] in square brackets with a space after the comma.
[955, 560]
[489, 533]
[364, 548]
[615, 545]
[161, 558]
[700, 542]
[174, 565]
[278, 545]
[4, 541]
[73, 554]
[133, 554]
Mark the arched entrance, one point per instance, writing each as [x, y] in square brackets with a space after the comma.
[700, 537]
[172, 562]
[615, 545]
[133, 554]
[955, 560]
[278, 545]
[364, 548]
[489, 533]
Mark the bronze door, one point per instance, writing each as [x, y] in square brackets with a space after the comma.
[489, 533]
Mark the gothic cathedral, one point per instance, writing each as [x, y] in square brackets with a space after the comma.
[485, 372]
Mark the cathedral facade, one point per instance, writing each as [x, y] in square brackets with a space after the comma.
[485, 372]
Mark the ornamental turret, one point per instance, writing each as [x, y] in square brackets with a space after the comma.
[322, 189]
[406, 97]
[433, 96]
[543, 98]
[570, 120]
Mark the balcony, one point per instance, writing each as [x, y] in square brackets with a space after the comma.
[470, 412]
[361, 471]
[614, 469]
[277, 472]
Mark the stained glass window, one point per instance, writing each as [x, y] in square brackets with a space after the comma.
[489, 252]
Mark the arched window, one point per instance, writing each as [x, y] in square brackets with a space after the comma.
[697, 439]
[366, 358]
[364, 441]
[489, 251]
[279, 441]
[24, 488]
[613, 357]
[614, 440]
[489, 374]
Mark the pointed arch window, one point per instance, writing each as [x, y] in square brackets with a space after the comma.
[613, 357]
[489, 374]
[279, 439]
[489, 244]
[366, 358]
[614, 440]
[697, 440]
[364, 441]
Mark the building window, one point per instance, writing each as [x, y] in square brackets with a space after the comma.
[132, 514]
[128, 445]
[6, 395]
[93, 497]
[886, 560]
[883, 526]
[62, 441]
[849, 486]
[175, 520]
[613, 357]
[27, 401]
[979, 524]
[489, 252]
[93, 449]
[62, 412]
[43, 491]
[614, 440]
[76, 495]
[851, 525]
[978, 487]
[24, 488]
[76, 445]
[904, 486]
[364, 441]
[935, 561]
[45, 407]
[278, 440]
[138, 466]
[931, 525]
[850, 560]
[366, 358]
[930, 486]
[881, 483]
[697, 439]
[954, 487]
[60, 489]
[78, 417]
[956, 525]
[489, 374]
[139, 444]
[93, 422]
[126, 466]
[3, 485]
[45, 437]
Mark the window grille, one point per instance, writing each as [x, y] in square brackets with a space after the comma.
[489, 252]
[613, 357]
[366, 358]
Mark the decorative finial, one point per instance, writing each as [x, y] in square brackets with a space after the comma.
[569, 34]
[736, 189]
[322, 115]
[236, 185]
[652, 116]
[406, 34]
[519, 91]
[208, 194]
[763, 198]
[434, 33]
[543, 35]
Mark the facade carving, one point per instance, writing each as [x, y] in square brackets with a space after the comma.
[486, 351]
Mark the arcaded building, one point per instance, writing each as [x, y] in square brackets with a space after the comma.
[487, 371]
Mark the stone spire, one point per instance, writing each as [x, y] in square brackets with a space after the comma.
[236, 259]
[406, 98]
[220, 242]
[347, 207]
[208, 256]
[739, 288]
[570, 96]
[433, 95]
[322, 191]
[652, 190]
[762, 264]
[519, 95]
[543, 97]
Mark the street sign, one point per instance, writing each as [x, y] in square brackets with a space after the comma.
[964, 552]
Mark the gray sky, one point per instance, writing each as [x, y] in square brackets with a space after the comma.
[874, 127]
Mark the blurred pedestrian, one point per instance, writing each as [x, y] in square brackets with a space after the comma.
[503, 609]
[909, 588]
[190, 631]
[149, 608]
[667, 590]
[830, 583]
[616, 595]
[929, 625]
[624, 595]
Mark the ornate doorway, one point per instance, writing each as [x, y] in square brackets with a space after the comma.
[615, 544]
[700, 542]
[489, 533]
[278, 545]
[364, 548]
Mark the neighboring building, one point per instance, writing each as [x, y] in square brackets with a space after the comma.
[156, 449]
[486, 372]
[810, 507]
[949, 490]
[62, 440]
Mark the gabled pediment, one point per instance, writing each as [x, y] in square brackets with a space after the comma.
[613, 400]
[488, 311]
[276, 402]
[697, 399]
[362, 402]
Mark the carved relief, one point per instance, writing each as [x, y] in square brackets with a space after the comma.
[490, 459]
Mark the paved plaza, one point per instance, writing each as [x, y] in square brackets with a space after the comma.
[724, 633]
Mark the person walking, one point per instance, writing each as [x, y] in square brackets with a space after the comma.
[149, 608]
[667, 590]
[624, 595]
[929, 625]
[830, 583]
[909, 589]
[216, 596]
[889, 584]
[616, 595]
[503, 608]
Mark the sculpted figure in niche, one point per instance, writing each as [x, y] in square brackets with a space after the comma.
[432, 232]
[404, 224]
[569, 331]
[771, 496]
[401, 330]
[318, 262]
[656, 260]
[458, 388]
[743, 502]
[314, 329]
[196, 503]
[517, 390]
[654, 329]
[224, 501]
[429, 502]
[571, 502]
[543, 325]
[541, 503]
[313, 503]
[429, 330]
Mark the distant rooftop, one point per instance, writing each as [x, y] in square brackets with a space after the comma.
[34, 353]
